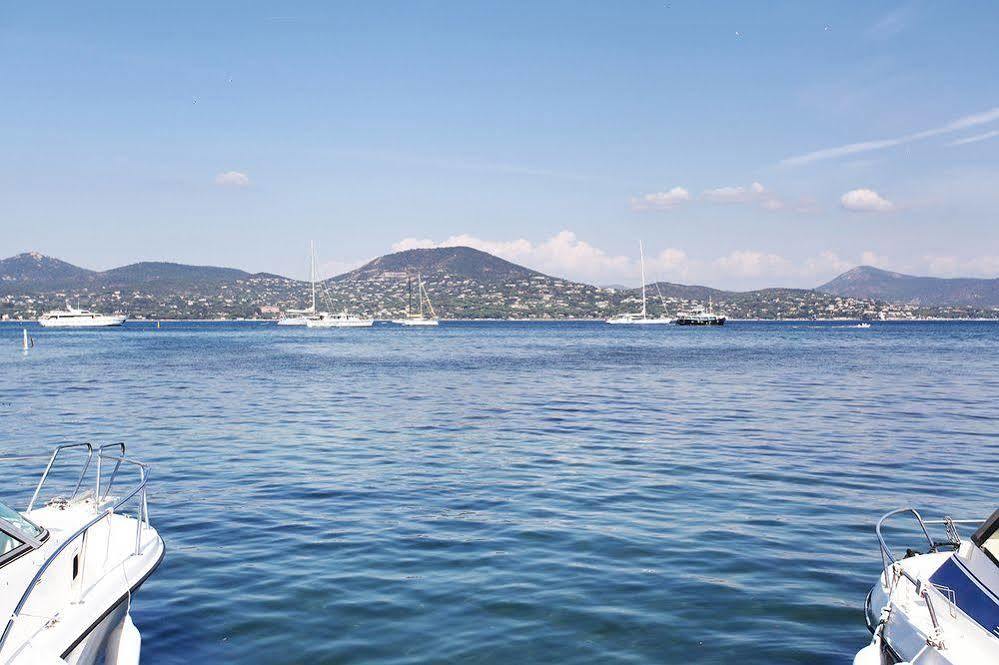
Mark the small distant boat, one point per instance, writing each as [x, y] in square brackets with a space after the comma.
[863, 325]
[300, 317]
[70, 568]
[939, 606]
[419, 318]
[639, 318]
[339, 320]
[72, 317]
[700, 316]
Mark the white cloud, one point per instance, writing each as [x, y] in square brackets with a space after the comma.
[964, 122]
[232, 179]
[951, 266]
[563, 254]
[976, 138]
[870, 258]
[865, 200]
[750, 263]
[753, 194]
[661, 200]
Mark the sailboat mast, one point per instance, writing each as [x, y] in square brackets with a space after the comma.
[409, 289]
[641, 252]
[419, 283]
[312, 272]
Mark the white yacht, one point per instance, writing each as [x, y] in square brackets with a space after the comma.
[300, 317]
[419, 317]
[72, 317]
[69, 569]
[339, 320]
[939, 606]
[639, 318]
[700, 316]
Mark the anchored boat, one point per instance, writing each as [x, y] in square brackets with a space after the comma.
[699, 316]
[939, 606]
[300, 317]
[69, 569]
[72, 317]
[640, 318]
[419, 318]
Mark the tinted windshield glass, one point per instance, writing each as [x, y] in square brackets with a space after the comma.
[15, 518]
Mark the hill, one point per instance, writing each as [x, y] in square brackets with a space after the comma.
[33, 270]
[463, 262]
[166, 275]
[877, 284]
[462, 283]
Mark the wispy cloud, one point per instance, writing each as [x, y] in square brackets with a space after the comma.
[959, 124]
[975, 139]
[661, 200]
[890, 24]
[232, 179]
[754, 194]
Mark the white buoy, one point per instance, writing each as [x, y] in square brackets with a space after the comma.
[25, 331]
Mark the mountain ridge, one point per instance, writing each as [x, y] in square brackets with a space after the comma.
[871, 282]
[463, 283]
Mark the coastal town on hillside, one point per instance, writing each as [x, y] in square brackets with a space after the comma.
[384, 295]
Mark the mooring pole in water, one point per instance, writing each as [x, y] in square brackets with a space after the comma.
[25, 331]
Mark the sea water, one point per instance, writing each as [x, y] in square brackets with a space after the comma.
[517, 492]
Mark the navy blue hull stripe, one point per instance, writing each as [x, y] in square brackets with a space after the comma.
[971, 598]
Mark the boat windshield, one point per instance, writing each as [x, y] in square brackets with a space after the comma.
[987, 537]
[8, 541]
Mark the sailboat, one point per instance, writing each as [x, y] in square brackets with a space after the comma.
[300, 317]
[341, 319]
[642, 318]
[419, 318]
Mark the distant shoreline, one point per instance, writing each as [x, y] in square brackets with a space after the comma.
[567, 320]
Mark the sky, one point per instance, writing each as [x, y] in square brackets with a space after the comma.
[745, 144]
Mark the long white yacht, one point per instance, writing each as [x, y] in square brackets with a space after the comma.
[639, 318]
[300, 317]
[72, 317]
[419, 317]
[342, 319]
[939, 606]
[69, 569]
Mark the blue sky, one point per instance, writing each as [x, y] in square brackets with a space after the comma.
[747, 144]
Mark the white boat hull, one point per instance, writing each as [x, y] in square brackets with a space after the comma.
[417, 322]
[638, 322]
[93, 606]
[293, 321]
[95, 321]
[341, 323]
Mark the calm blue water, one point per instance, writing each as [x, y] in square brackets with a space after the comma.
[504, 492]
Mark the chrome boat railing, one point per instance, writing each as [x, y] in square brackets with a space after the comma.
[888, 561]
[142, 517]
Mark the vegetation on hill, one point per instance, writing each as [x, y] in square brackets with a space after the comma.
[462, 283]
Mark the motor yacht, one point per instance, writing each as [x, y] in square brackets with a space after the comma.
[70, 567]
[938, 604]
[72, 317]
[700, 316]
